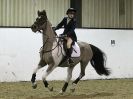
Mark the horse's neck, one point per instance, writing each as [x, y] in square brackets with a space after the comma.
[49, 38]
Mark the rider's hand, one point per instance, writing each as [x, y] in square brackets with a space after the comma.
[60, 35]
[54, 29]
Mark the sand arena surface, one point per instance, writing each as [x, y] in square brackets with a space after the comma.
[88, 89]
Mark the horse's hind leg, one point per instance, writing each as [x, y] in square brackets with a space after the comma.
[40, 65]
[82, 74]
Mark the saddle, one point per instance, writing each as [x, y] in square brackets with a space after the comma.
[75, 52]
[74, 47]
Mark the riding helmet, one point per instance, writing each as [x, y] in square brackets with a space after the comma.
[71, 10]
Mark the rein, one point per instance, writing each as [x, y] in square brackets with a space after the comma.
[42, 48]
[58, 45]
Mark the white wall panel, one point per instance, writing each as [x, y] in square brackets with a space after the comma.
[19, 54]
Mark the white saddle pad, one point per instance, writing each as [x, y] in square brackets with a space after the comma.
[76, 50]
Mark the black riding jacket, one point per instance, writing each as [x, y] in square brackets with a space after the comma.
[68, 28]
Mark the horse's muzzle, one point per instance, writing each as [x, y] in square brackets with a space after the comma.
[34, 28]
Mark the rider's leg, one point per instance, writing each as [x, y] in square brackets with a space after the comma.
[69, 42]
[69, 50]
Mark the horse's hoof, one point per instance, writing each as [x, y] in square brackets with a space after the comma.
[51, 89]
[72, 90]
[34, 85]
[61, 92]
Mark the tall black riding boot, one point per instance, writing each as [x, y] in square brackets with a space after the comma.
[69, 52]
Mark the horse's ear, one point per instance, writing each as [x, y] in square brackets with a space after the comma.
[38, 12]
[44, 12]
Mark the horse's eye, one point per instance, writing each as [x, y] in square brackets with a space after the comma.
[37, 19]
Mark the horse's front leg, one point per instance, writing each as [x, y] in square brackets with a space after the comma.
[48, 71]
[69, 76]
[33, 79]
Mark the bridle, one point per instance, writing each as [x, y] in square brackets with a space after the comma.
[47, 40]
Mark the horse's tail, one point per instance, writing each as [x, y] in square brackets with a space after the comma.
[98, 61]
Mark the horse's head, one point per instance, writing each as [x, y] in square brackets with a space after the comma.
[40, 21]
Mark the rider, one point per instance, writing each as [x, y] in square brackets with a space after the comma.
[69, 24]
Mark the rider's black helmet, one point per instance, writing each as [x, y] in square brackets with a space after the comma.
[71, 10]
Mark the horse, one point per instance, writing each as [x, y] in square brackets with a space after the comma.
[49, 55]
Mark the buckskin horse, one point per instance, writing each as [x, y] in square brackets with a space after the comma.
[49, 55]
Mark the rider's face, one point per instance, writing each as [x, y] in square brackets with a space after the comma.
[71, 15]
